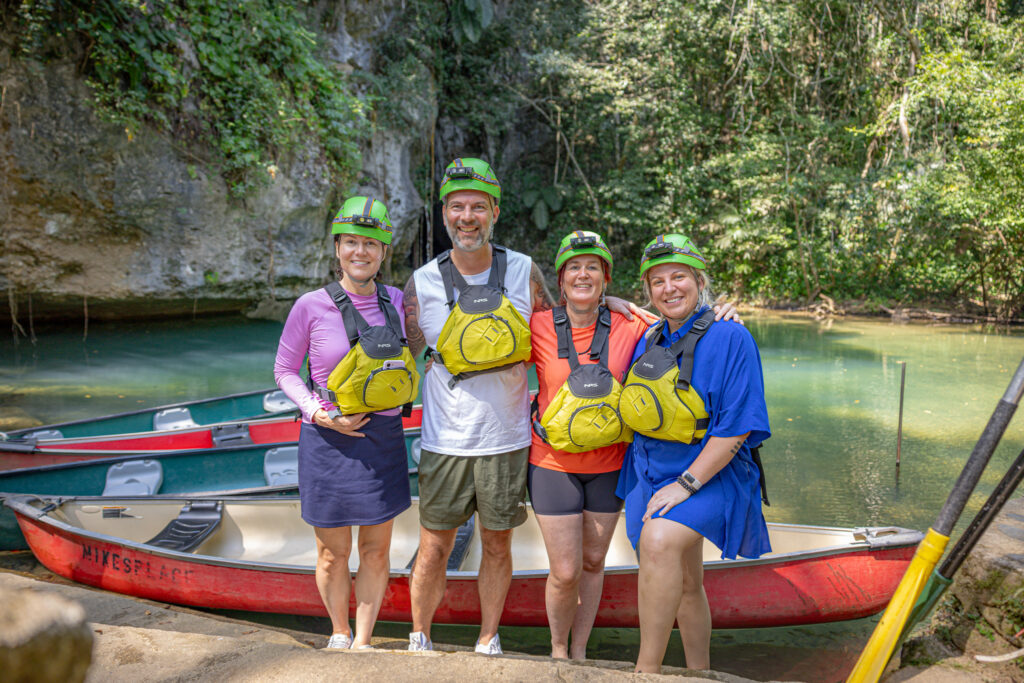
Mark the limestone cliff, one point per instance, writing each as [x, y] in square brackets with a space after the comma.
[96, 220]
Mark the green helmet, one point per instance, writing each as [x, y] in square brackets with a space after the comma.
[671, 249]
[364, 216]
[470, 174]
[580, 242]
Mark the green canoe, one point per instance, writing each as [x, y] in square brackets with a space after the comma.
[233, 407]
[268, 469]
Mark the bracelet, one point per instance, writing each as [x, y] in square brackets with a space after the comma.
[686, 485]
[689, 482]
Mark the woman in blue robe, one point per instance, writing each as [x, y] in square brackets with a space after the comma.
[678, 494]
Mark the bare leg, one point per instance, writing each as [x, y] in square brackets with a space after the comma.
[372, 578]
[427, 583]
[694, 613]
[333, 578]
[495, 577]
[598, 529]
[563, 539]
[667, 578]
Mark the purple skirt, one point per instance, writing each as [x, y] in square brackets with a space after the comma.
[352, 481]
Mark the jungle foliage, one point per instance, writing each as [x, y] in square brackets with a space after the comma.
[246, 80]
[866, 151]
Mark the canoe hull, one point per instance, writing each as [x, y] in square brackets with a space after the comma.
[230, 408]
[59, 451]
[845, 585]
[234, 470]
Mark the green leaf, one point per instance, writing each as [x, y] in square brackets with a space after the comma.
[552, 198]
[486, 13]
[540, 215]
[530, 198]
[470, 30]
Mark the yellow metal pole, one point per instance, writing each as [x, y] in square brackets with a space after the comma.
[877, 653]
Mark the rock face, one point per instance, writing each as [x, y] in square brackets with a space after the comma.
[990, 585]
[43, 637]
[983, 610]
[133, 227]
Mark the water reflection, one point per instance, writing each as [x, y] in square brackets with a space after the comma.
[833, 399]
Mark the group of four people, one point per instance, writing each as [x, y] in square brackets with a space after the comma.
[483, 311]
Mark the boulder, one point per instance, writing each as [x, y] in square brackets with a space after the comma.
[43, 637]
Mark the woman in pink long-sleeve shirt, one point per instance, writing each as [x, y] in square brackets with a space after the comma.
[352, 468]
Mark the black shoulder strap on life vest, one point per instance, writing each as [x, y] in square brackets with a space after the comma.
[602, 332]
[390, 313]
[652, 335]
[499, 264]
[687, 344]
[449, 273]
[561, 321]
[354, 322]
[453, 279]
[598, 344]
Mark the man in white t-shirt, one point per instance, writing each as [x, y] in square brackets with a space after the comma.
[476, 431]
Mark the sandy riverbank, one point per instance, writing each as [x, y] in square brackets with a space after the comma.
[141, 640]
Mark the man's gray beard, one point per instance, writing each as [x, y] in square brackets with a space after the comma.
[481, 241]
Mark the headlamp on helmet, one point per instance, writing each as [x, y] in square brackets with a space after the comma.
[671, 248]
[363, 216]
[462, 172]
[581, 242]
[470, 174]
[367, 221]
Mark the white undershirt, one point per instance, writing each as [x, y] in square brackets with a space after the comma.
[484, 414]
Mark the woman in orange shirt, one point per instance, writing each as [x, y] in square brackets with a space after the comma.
[573, 494]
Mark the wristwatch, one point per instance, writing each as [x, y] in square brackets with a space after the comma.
[689, 482]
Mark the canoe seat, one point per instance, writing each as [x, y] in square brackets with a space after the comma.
[281, 466]
[462, 540]
[134, 478]
[43, 434]
[233, 434]
[197, 520]
[173, 418]
[277, 402]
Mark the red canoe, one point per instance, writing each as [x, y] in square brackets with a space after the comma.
[258, 556]
[15, 454]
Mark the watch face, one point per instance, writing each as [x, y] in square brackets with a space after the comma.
[689, 477]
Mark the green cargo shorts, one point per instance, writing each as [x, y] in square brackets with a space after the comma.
[453, 487]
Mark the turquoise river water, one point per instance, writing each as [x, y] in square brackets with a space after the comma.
[833, 395]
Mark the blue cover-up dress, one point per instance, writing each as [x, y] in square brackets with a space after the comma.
[727, 509]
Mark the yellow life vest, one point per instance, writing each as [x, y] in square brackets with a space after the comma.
[484, 332]
[657, 398]
[584, 413]
[379, 372]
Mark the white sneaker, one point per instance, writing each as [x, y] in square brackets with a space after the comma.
[491, 648]
[339, 641]
[419, 642]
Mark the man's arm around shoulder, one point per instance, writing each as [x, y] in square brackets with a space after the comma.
[413, 333]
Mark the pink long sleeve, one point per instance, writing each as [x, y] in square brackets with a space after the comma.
[314, 328]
